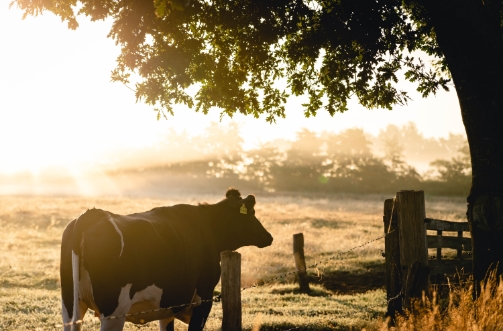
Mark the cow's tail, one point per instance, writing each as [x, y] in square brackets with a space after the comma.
[89, 218]
[66, 276]
[77, 319]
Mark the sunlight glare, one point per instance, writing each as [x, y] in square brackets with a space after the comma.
[59, 109]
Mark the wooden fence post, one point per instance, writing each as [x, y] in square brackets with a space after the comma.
[392, 257]
[300, 262]
[231, 290]
[413, 245]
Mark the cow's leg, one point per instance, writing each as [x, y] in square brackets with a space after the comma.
[199, 316]
[66, 318]
[167, 324]
[113, 324]
[76, 323]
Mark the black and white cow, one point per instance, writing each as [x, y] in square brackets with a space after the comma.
[120, 265]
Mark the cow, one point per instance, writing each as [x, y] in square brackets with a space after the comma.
[156, 265]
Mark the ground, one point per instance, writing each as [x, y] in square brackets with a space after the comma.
[348, 285]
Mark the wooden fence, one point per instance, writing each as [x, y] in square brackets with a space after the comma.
[408, 267]
[463, 245]
[231, 282]
[231, 290]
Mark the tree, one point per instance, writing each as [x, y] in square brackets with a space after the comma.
[259, 166]
[235, 52]
[302, 167]
[451, 176]
[394, 154]
[418, 149]
[457, 170]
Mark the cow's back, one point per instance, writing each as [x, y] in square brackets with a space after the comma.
[137, 251]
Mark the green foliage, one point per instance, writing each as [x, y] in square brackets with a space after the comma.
[457, 170]
[259, 164]
[452, 177]
[239, 54]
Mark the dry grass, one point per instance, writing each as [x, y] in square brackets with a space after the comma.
[460, 313]
[31, 233]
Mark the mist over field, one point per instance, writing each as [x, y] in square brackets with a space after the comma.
[351, 161]
[328, 186]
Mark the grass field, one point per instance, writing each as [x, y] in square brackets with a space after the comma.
[347, 290]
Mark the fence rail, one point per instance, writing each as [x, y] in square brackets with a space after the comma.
[408, 269]
[458, 243]
[441, 225]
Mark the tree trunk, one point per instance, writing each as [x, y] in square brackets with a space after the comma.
[469, 34]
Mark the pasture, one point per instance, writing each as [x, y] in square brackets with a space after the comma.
[347, 291]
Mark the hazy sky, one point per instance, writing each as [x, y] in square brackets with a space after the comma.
[58, 106]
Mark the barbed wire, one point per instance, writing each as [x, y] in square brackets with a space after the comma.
[313, 266]
[385, 303]
[217, 297]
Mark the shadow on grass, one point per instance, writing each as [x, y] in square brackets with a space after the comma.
[319, 223]
[45, 284]
[313, 327]
[315, 292]
[346, 282]
[322, 223]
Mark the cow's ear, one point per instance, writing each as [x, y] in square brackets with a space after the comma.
[232, 193]
[234, 197]
[250, 201]
[247, 205]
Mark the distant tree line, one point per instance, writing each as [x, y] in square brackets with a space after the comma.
[351, 161]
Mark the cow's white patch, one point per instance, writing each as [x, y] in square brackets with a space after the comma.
[119, 232]
[145, 306]
[147, 300]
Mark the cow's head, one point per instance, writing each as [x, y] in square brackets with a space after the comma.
[242, 227]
